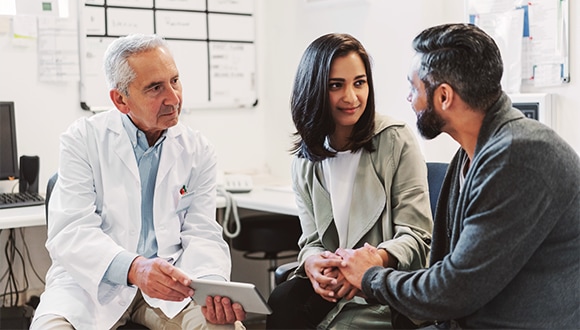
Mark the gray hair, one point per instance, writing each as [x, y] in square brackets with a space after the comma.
[118, 72]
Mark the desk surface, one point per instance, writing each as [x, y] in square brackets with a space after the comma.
[266, 199]
[18, 217]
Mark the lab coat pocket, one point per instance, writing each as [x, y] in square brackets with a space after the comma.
[184, 202]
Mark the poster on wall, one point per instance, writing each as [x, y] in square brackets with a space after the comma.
[533, 37]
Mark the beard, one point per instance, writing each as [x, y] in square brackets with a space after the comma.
[429, 123]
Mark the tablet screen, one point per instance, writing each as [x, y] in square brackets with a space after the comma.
[245, 294]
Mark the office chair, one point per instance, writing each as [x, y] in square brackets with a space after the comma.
[435, 175]
[268, 237]
[49, 187]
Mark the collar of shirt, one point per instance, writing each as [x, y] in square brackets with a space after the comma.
[138, 138]
[327, 144]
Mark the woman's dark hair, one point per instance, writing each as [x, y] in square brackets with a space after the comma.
[463, 56]
[310, 102]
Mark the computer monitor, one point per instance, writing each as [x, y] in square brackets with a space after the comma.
[8, 151]
[536, 106]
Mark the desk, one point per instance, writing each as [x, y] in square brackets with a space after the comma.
[18, 217]
[268, 199]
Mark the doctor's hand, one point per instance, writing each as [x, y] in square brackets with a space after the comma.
[158, 278]
[220, 310]
[320, 269]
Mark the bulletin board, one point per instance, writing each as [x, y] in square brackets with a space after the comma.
[533, 37]
[212, 42]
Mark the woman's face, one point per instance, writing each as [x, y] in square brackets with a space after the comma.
[348, 92]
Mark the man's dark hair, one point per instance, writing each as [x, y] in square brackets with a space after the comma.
[463, 56]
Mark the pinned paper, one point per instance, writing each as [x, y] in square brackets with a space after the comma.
[547, 74]
[25, 31]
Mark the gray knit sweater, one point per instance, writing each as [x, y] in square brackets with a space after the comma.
[506, 249]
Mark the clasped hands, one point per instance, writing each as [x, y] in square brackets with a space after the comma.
[339, 275]
[159, 279]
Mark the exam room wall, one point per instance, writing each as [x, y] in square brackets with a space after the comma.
[258, 138]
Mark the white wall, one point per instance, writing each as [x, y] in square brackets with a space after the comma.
[258, 139]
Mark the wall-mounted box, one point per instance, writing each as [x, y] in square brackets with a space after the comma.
[537, 106]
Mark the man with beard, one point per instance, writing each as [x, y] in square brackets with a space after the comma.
[507, 226]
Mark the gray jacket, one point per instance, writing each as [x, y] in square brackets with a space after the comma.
[505, 250]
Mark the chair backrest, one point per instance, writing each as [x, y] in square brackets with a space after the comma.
[49, 186]
[435, 175]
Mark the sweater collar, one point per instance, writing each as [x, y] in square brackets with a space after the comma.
[499, 114]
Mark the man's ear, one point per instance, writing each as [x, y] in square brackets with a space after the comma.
[120, 100]
[444, 95]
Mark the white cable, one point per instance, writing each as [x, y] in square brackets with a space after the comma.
[231, 206]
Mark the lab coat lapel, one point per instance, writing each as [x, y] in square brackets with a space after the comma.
[364, 212]
[121, 145]
[172, 150]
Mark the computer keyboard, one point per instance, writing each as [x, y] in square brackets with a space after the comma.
[8, 200]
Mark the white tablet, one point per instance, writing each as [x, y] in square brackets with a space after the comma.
[245, 294]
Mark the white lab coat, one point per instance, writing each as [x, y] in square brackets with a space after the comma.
[95, 213]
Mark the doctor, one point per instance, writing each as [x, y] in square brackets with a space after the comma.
[131, 218]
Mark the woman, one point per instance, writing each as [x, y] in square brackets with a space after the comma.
[358, 177]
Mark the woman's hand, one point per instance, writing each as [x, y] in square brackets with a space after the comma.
[322, 271]
[342, 289]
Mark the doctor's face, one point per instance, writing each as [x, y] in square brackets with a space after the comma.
[154, 97]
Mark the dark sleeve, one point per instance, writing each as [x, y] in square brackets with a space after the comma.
[497, 228]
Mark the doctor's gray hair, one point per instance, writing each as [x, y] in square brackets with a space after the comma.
[118, 72]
